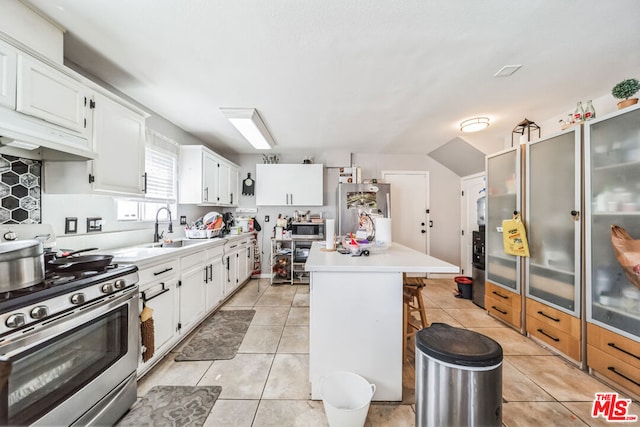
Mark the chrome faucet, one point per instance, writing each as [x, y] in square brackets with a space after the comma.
[156, 236]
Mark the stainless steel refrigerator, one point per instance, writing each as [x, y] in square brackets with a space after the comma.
[360, 204]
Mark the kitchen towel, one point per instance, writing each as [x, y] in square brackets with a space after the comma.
[147, 333]
[329, 231]
[383, 231]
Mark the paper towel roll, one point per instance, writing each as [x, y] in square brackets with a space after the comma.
[383, 231]
[329, 231]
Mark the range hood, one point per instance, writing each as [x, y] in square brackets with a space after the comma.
[25, 136]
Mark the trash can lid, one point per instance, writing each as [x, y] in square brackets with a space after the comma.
[458, 346]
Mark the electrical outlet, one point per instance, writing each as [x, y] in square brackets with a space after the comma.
[183, 220]
[266, 218]
[94, 224]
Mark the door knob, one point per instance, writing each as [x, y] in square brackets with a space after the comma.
[423, 231]
[422, 224]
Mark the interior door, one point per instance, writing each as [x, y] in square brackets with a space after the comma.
[409, 208]
[472, 189]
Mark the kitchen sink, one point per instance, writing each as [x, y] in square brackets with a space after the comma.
[178, 243]
[182, 243]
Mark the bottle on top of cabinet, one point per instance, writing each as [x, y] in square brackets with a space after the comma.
[590, 112]
[578, 115]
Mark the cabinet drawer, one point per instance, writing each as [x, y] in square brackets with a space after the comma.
[553, 336]
[216, 252]
[503, 310]
[618, 347]
[506, 297]
[192, 260]
[159, 272]
[613, 368]
[554, 318]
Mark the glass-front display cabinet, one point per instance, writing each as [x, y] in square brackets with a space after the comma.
[503, 199]
[612, 185]
[553, 202]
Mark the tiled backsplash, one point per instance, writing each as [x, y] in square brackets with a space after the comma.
[19, 190]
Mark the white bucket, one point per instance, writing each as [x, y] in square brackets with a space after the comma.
[346, 397]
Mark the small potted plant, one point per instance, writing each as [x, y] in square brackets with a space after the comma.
[625, 90]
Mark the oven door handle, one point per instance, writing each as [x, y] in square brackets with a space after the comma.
[53, 328]
[145, 298]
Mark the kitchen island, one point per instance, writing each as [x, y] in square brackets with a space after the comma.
[355, 319]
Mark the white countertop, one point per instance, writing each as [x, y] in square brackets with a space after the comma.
[396, 258]
[143, 254]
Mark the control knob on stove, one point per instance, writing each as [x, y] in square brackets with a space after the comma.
[120, 284]
[39, 312]
[77, 298]
[107, 288]
[15, 320]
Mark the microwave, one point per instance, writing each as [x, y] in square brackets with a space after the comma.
[307, 230]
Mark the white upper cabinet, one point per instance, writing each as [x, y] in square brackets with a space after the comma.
[118, 137]
[48, 94]
[228, 179]
[8, 58]
[206, 178]
[289, 185]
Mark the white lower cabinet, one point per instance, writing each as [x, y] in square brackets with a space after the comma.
[192, 290]
[231, 268]
[214, 278]
[183, 291]
[159, 292]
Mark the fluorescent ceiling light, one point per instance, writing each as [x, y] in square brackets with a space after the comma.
[507, 70]
[251, 126]
[475, 124]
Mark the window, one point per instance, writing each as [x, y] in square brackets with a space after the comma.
[161, 158]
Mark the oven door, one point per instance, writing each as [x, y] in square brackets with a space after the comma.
[57, 371]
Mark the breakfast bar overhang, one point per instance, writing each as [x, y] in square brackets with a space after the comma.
[355, 319]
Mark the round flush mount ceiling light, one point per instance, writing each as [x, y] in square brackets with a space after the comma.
[475, 124]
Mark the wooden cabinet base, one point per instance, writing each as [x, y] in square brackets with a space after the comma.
[615, 357]
[503, 304]
[555, 328]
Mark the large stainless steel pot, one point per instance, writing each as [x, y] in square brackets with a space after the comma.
[21, 264]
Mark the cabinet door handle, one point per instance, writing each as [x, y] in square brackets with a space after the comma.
[498, 310]
[500, 295]
[287, 198]
[211, 272]
[231, 198]
[206, 274]
[548, 336]
[291, 197]
[613, 345]
[206, 194]
[144, 182]
[613, 369]
[541, 313]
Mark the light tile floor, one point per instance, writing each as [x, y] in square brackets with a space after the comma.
[267, 384]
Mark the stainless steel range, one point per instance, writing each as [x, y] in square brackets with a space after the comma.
[69, 348]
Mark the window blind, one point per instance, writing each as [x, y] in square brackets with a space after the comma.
[160, 166]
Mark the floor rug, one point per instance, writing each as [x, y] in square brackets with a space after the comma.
[172, 406]
[218, 338]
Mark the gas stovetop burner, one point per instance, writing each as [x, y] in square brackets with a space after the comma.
[58, 282]
[60, 276]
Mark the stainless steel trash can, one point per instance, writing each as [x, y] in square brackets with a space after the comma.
[458, 378]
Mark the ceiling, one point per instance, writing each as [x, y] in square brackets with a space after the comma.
[387, 76]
